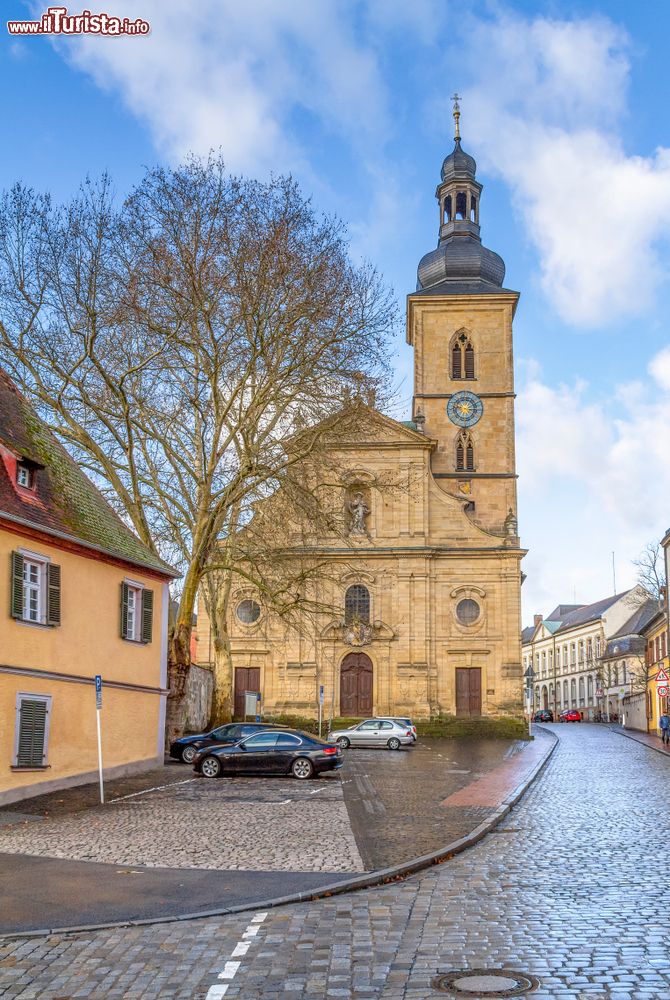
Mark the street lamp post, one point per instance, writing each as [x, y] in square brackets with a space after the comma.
[529, 675]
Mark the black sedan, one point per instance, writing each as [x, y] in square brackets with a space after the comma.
[187, 747]
[288, 751]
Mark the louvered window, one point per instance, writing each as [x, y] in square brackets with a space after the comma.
[32, 730]
[456, 361]
[465, 454]
[460, 456]
[470, 456]
[462, 358]
[35, 589]
[137, 607]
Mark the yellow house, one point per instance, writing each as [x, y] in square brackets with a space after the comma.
[657, 658]
[80, 596]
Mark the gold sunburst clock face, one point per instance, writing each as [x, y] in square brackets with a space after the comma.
[464, 409]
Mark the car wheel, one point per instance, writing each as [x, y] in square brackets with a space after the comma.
[210, 767]
[302, 768]
[393, 743]
[188, 754]
[343, 743]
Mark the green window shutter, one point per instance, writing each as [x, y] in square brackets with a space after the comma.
[32, 731]
[124, 610]
[53, 594]
[16, 588]
[147, 615]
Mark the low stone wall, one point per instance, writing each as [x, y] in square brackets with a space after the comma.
[199, 689]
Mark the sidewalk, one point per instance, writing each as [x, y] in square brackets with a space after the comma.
[649, 740]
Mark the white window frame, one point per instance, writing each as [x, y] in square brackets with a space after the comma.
[30, 696]
[135, 588]
[41, 562]
[23, 470]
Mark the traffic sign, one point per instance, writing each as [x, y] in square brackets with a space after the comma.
[98, 690]
[662, 691]
[322, 693]
[662, 677]
[599, 693]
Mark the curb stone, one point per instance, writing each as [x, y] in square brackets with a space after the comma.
[380, 877]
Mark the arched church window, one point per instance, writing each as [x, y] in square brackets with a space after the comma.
[465, 453]
[447, 208]
[357, 604]
[461, 205]
[473, 209]
[462, 357]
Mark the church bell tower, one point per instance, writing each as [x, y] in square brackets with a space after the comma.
[459, 322]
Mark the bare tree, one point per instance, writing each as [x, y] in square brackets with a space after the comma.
[177, 343]
[650, 568]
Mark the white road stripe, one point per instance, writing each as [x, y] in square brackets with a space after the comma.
[157, 788]
[229, 970]
[219, 990]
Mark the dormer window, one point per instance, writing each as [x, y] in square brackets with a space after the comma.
[24, 476]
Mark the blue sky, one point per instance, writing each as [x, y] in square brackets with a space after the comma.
[564, 107]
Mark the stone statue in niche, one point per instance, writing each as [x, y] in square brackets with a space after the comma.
[358, 511]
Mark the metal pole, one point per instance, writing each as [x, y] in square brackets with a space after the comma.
[102, 788]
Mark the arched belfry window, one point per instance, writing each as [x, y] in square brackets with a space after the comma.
[357, 604]
[465, 453]
[447, 208]
[462, 357]
[461, 205]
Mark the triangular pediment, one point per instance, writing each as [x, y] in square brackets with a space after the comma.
[367, 427]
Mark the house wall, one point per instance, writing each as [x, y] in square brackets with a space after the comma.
[85, 644]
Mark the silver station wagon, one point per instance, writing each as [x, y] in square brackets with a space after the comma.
[386, 733]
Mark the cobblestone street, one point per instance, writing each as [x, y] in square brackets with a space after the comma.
[567, 889]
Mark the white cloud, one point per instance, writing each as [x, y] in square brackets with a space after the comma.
[230, 74]
[549, 108]
[594, 478]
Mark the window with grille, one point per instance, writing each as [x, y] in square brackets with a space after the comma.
[32, 730]
[357, 604]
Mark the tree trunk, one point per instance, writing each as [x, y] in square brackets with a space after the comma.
[222, 698]
[179, 666]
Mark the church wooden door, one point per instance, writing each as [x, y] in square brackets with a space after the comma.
[246, 679]
[356, 685]
[468, 691]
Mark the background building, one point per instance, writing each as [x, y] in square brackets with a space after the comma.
[80, 595]
[585, 656]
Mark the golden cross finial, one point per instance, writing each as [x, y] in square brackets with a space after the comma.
[457, 115]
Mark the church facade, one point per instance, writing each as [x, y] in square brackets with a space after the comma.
[426, 590]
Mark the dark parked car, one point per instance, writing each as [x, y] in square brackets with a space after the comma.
[544, 715]
[187, 747]
[572, 715]
[288, 751]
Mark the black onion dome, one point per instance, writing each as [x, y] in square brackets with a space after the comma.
[458, 163]
[460, 258]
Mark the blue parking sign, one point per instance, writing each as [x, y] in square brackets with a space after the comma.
[98, 690]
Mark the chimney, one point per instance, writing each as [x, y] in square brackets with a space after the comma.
[537, 620]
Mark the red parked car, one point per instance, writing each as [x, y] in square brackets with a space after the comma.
[572, 715]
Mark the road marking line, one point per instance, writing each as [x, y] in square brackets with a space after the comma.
[229, 971]
[157, 788]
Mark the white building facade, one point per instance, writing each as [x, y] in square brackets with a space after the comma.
[573, 662]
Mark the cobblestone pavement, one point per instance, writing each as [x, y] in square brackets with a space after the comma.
[567, 889]
[237, 824]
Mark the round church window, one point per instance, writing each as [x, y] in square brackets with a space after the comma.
[467, 611]
[248, 612]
